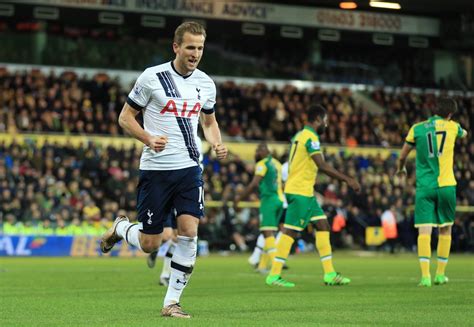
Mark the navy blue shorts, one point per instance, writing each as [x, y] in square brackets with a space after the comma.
[171, 220]
[161, 191]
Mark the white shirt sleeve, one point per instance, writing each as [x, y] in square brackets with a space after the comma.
[140, 95]
[211, 100]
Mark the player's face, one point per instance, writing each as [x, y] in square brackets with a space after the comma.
[189, 52]
[323, 125]
[261, 153]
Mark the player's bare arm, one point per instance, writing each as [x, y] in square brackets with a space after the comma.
[401, 169]
[130, 125]
[249, 188]
[330, 171]
[213, 135]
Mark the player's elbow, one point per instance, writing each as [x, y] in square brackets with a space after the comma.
[322, 166]
[324, 170]
[122, 120]
[209, 123]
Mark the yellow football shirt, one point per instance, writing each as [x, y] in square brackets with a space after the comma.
[270, 169]
[434, 140]
[302, 170]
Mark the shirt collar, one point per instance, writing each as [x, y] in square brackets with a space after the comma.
[309, 128]
[183, 76]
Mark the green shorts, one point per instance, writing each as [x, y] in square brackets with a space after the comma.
[435, 207]
[301, 210]
[271, 209]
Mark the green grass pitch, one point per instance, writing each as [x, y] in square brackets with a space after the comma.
[225, 291]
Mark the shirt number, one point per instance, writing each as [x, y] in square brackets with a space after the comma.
[430, 136]
[294, 151]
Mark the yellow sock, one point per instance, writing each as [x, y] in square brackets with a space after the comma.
[268, 254]
[325, 252]
[282, 251]
[424, 254]
[271, 247]
[444, 245]
[264, 260]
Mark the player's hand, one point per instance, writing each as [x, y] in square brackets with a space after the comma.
[401, 173]
[236, 201]
[157, 143]
[221, 150]
[353, 184]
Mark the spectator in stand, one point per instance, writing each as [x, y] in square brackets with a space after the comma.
[389, 227]
[70, 104]
[64, 186]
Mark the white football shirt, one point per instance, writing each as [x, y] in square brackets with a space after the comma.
[171, 104]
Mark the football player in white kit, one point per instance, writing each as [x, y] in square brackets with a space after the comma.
[173, 97]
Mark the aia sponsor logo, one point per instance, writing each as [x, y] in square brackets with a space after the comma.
[185, 111]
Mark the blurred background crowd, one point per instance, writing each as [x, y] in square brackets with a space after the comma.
[36, 102]
[79, 189]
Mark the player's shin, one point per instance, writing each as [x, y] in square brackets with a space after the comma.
[130, 233]
[444, 246]
[268, 254]
[257, 251]
[166, 271]
[283, 249]
[264, 260]
[182, 264]
[325, 251]
[424, 253]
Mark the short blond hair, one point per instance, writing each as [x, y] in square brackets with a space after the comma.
[190, 27]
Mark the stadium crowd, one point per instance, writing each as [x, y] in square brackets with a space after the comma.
[36, 102]
[62, 190]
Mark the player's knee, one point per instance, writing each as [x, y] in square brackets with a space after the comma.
[167, 234]
[150, 245]
[425, 230]
[322, 225]
[446, 230]
[188, 232]
[290, 232]
[187, 226]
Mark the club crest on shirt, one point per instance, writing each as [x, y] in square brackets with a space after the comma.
[199, 94]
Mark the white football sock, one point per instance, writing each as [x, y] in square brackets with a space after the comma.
[257, 251]
[164, 248]
[166, 271]
[130, 233]
[182, 264]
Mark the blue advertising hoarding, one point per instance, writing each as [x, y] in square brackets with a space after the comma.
[59, 246]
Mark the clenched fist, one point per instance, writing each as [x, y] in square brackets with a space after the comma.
[157, 143]
[354, 184]
[221, 150]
